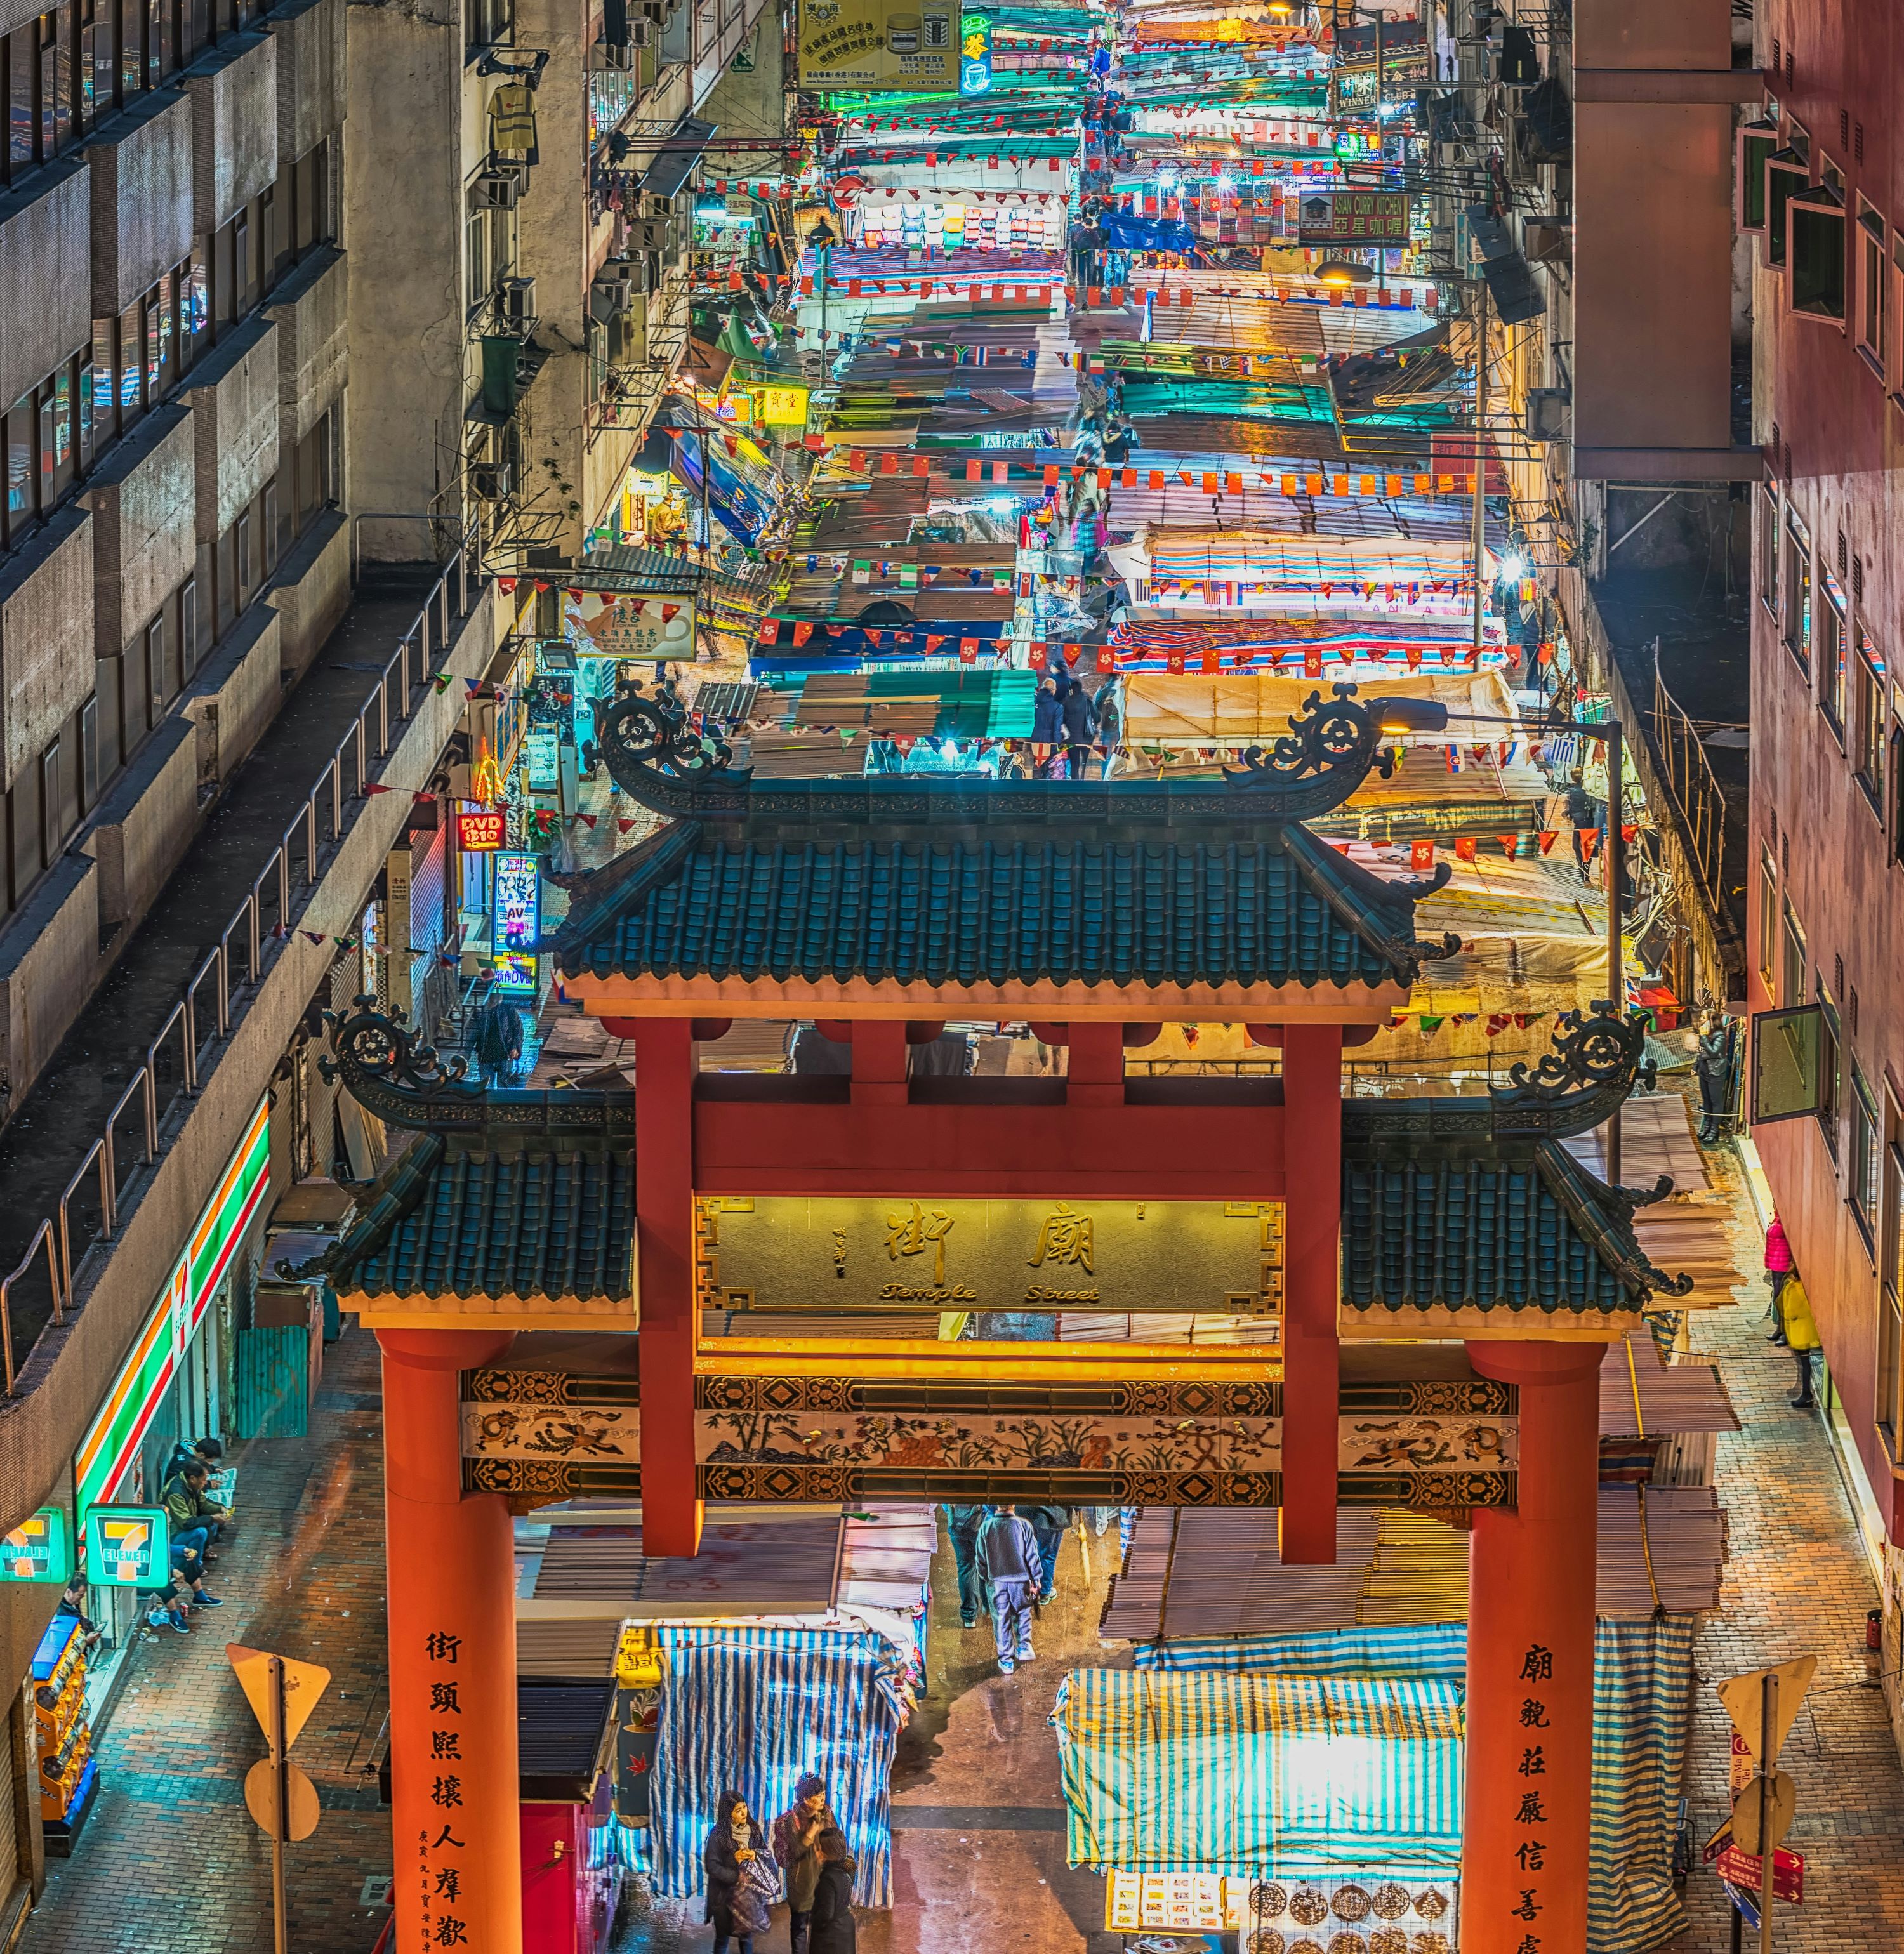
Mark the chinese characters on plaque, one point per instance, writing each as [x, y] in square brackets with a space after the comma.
[1530, 1849]
[790, 1253]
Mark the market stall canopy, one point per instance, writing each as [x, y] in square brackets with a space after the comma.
[1240, 708]
[1206, 1572]
[1261, 1773]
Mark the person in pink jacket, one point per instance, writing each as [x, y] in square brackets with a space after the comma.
[1778, 1273]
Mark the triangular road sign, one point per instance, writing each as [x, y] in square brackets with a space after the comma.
[1744, 1699]
[304, 1683]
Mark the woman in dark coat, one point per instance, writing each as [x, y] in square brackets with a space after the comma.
[734, 1841]
[832, 1931]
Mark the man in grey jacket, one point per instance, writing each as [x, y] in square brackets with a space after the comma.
[1008, 1559]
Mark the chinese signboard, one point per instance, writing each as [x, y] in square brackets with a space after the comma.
[518, 921]
[975, 55]
[37, 1550]
[127, 1547]
[607, 626]
[1748, 1870]
[478, 832]
[877, 44]
[789, 1253]
[784, 406]
[1354, 217]
[1218, 1903]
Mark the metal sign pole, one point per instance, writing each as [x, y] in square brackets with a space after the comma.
[1480, 458]
[1768, 1701]
[280, 1775]
[1613, 867]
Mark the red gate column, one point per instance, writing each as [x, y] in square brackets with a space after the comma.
[1312, 1290]
[455, 1791]
[1530, 1664]
[670, 1506]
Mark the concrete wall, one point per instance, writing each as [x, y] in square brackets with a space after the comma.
[312, 591]
[235, 135]
[416, 136]
[143, 825]
[233, 699]
[233, 397]
[309, 39]
[141, 198]
[144, 505]
[45, 636]
[49, 955]
[44, 224]
[309, 310]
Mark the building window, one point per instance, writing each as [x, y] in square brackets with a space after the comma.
[1791, 986]
[1890, 1307]
[1831, 663]
[1866, 1159]
[42, 441]
[98, 60]
[40, 84]
[1767, 918]
[1872, 281]
[1830, 1065]
[1796, 589]
[1869, 721]
[1768, 550]
[488, 23]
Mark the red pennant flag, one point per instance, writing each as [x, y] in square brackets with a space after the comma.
[971, 469]
[1628, 834]
[856, 457]
[507, 585]
[1173, 660]
[1546, 654]
[968, 651]
[1107, 659]
[1040, 655]
[769, 631]
[1594, 836]
[1415, 657]
[1464, 847]
[1312, 662]
[889, 463]
[1129, 478]
[802, 630]
[1548, 836]
[1421, 853]
[587, 820]
[921, 466]
[625, 823]
[1510, 846]
[376, 786]
[933, 641]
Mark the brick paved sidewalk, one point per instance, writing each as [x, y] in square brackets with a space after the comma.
[169, 1861]
[1797, 1583]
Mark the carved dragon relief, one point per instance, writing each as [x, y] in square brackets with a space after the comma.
[390, 1072]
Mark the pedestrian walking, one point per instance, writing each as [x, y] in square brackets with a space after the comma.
[796, 1840]
[1584, 817]
[1048, 722]
[1110, 730]
[1080, 718]
[1802, 1334]
[1712, 1067]
[1008, 1559]
[1049, 1525]
[963, 1523]
[834, 1929]
[1778, 1273]
[741, 1882]
[497, 1041]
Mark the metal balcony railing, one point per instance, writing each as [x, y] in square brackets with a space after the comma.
[90, 1208]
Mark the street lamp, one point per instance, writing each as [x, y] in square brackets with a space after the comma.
[1342, 272]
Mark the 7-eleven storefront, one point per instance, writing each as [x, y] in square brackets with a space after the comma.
[171, 1384]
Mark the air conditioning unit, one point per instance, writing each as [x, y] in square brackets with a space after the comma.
[493, 480]
[500, 190]
[654, 11]
[655, 234]
[516, 297]
[1546, 413]
[618, 54]
[614, 286]
[628, 336]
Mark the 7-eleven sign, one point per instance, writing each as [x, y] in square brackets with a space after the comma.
[127, 1547]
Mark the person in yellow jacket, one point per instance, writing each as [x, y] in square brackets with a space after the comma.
[1801, 1333]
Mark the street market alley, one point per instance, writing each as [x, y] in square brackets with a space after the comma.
[978, 1845]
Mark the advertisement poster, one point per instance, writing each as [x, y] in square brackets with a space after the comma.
[481, 832]
[519, 922]
[604, 625]
[877, 44]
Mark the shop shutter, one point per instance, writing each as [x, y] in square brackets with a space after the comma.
[18, 1758]
[427, 868]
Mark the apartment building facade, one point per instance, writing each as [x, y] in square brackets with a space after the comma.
[1822, 190]
[172, 368]
[519, 218]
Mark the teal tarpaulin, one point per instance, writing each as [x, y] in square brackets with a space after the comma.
[1252, 1773]
[1642, 1680]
